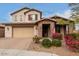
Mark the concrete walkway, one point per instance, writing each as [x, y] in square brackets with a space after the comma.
[16, 52]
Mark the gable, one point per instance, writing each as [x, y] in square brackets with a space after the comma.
[61, 20]
[45, 20]
[25, 8]
[33, 10]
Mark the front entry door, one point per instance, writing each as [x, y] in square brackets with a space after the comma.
[45, 30]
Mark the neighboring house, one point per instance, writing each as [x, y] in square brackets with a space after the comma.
[28, 22]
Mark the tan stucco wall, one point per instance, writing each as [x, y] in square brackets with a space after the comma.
[8, 31]
[23, 32]
[32, 12]
[24, 17]
[18, 16]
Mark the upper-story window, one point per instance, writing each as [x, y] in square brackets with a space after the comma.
[15, 17]
[33, 17]
[20, 17]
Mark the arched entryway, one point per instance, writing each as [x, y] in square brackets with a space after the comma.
[46, 27]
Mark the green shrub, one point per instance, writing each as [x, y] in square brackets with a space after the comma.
[36, 39]
[46, 43]
[56, 42]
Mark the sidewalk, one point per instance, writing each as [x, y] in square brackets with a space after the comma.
[16, 52]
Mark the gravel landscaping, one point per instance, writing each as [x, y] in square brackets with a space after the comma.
[61, 51]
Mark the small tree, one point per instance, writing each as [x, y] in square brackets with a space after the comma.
[74, 12]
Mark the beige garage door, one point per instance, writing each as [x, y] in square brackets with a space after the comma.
[22, 32]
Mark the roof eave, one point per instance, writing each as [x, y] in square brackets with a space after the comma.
[19, 10]
[32, 10]
[18, 23]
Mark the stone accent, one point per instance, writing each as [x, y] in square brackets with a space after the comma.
[52, 27]
[35, 30]
[8, 31]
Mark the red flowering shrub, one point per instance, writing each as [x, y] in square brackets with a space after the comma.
[75, 35]
[57, 36]
[72, 43]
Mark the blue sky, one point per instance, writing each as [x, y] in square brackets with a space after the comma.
[46, 8]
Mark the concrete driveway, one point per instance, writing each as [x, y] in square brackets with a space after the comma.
[19, 43]
[18, 47]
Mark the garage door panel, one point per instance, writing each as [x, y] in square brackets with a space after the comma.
[22, 32]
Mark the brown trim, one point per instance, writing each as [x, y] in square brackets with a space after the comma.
[32, 10]
[2, 27]
[12, 32]
[59, 17]
[45, 20]
[27, 24]
[36, 16]
[41, 15]
[62, 18]
[28, 11]
[19, 10]
[18, 24]
[36, 11]
[22, 25]
[29, 17]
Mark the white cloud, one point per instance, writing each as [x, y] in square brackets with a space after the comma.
[66, 14]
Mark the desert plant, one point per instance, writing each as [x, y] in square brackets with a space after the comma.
[56, 42]
[36, 39]
[46, 43]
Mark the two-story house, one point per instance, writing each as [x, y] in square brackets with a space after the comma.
[28, 22]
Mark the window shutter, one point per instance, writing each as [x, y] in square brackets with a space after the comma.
[29, 17]
[36, 16]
